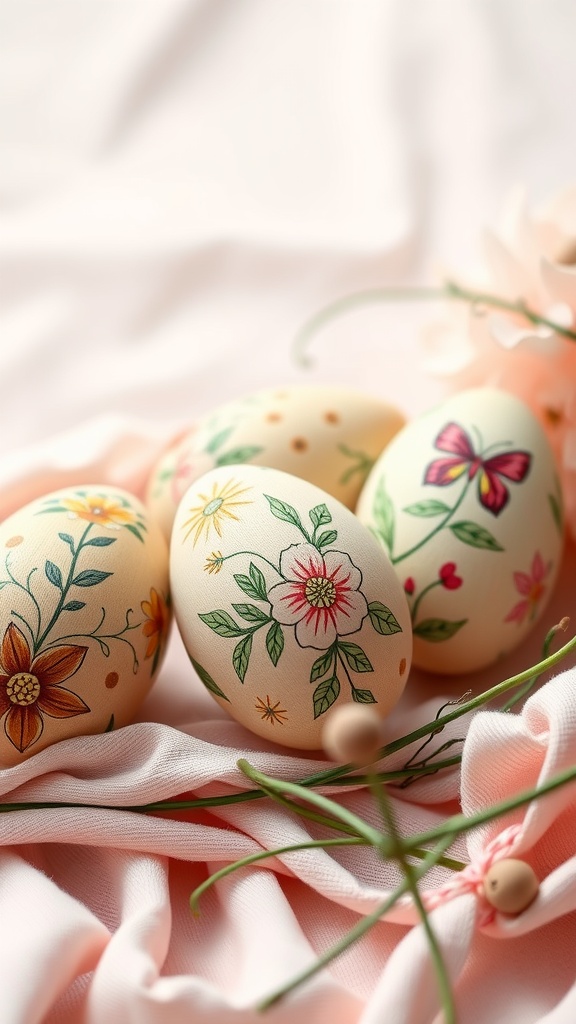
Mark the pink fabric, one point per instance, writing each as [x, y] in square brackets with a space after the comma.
[183, 184]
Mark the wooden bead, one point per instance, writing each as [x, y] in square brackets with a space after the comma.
[353, 733]
[510, 886]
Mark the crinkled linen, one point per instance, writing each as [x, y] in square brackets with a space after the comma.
[183, 183]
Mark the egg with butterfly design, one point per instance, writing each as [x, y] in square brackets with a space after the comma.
[467, 504]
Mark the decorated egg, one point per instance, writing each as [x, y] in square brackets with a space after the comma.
[83, 616]
[466, 503]
[330, 436]
[287, 606]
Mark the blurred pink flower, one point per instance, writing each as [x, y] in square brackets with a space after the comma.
[533, 259]
[531, 586]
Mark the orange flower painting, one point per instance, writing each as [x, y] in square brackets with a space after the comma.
[30, 687]
[97, 509]
[156, 625]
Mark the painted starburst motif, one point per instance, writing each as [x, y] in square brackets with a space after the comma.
[213, 509]
[214, 562]
[271, 712]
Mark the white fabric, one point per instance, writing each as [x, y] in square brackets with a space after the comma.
[182, 184]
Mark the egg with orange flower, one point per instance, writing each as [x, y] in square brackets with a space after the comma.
[84, 616]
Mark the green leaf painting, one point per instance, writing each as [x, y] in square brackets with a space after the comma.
[275, 642]
[326, 538]
[325, 694]
[90, 578]
[556, 510]
[429, 507]
[222, 623]
[206, 678]
[476, 536]
[382, 619]
[253, 585]
[251, 613]
[217, 440]
[322, 664]
[320, 516]
[363, 696]
[285, 512]
[238, 455]
[355, 656]
[53, 574]
[384, 515]
[241, 656]
[438, 630]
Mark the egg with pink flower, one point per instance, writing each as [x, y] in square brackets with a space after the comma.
[467, 504]
[286, 605]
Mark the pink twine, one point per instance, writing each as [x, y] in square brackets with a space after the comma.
[471, 878]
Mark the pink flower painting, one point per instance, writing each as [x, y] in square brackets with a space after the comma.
[531, 587]
[320, 595]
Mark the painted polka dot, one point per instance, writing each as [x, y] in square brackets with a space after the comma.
[554, 416]
[332, 418]
[13, 542]
[402, 666]
[273, 417]
[111, 680]
[299, 444]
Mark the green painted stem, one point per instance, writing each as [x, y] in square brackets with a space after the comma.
[443, 522]
[254, 554]
[65, 589]
[29, 594]
[435, 583]
[345, 667]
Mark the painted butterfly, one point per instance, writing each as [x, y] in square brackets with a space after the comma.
[492, 492]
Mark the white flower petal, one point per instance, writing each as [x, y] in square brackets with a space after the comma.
[350, 613]
[288, 605]
[341, 569]
[317, 630]
[300, 561]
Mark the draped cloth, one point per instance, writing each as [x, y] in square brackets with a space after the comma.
[183, 184]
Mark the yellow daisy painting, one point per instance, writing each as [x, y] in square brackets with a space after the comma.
[213, 510]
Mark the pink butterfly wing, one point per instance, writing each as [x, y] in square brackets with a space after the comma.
[513, 465]
[452, 438]
[492, 492]
[444, 471]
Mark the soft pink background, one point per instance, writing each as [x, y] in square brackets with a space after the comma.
[182, 185]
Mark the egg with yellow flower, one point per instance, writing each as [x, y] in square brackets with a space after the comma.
[286, 604]
[84, 616]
